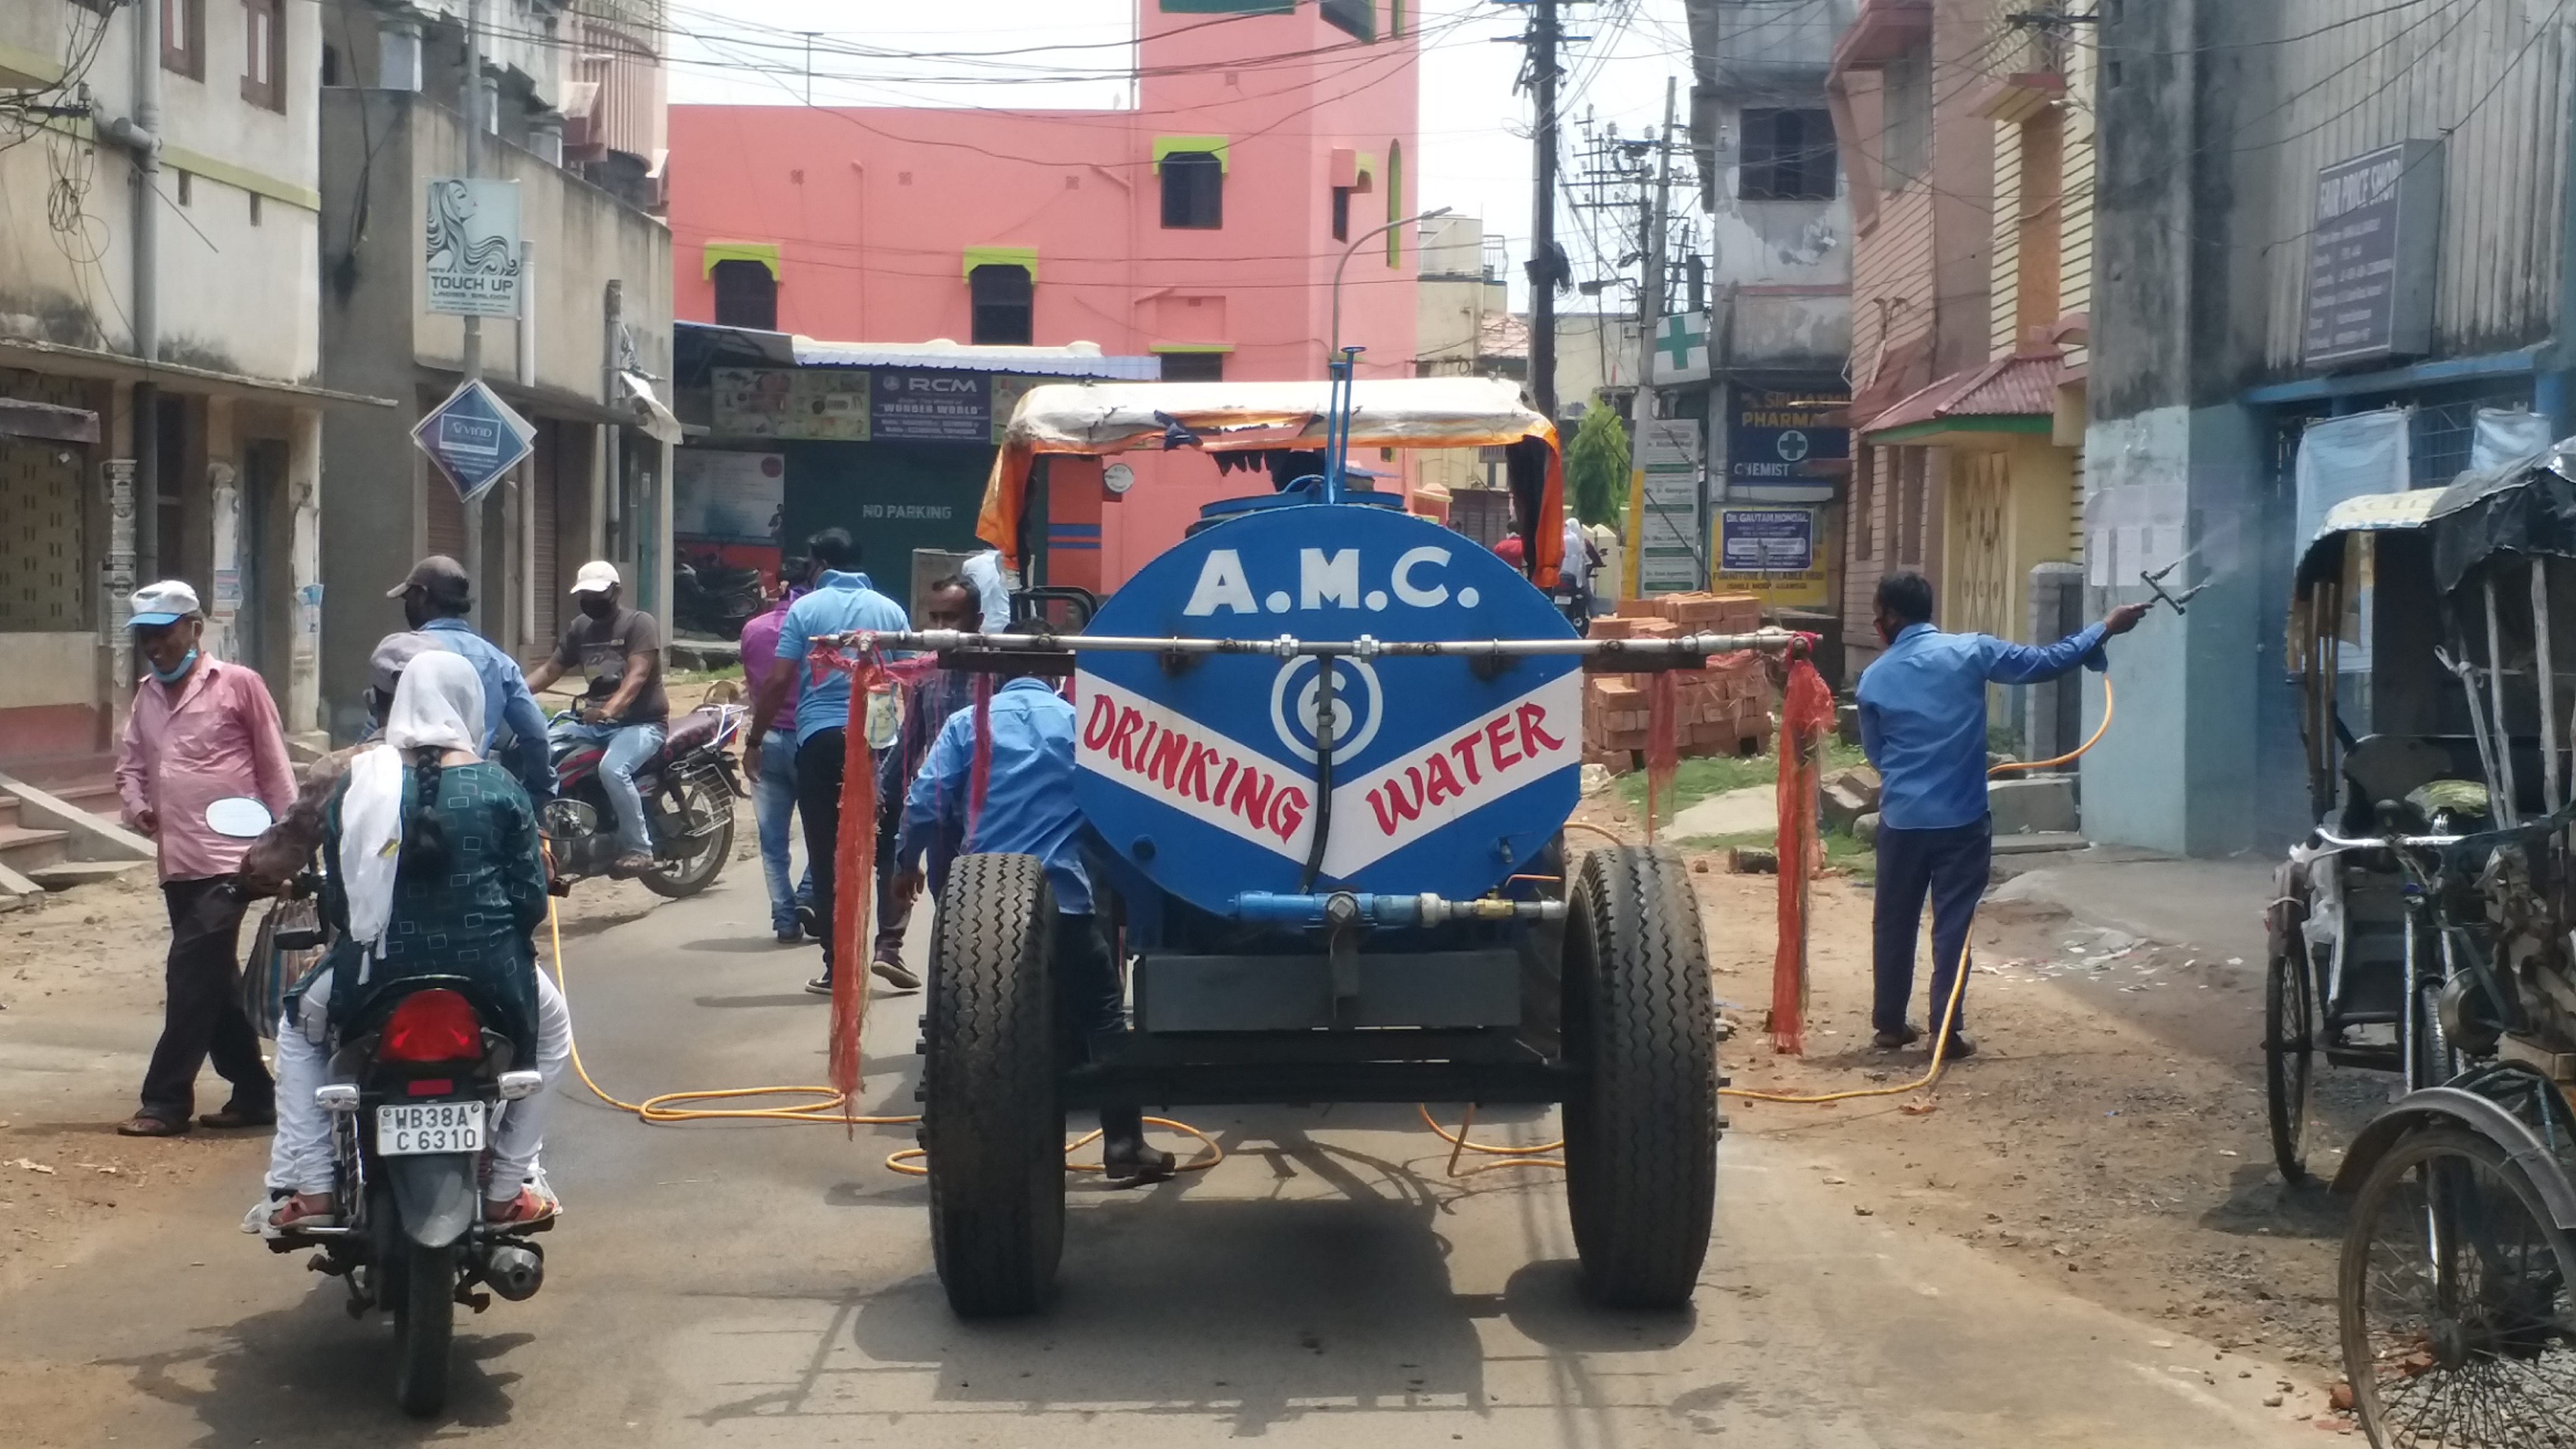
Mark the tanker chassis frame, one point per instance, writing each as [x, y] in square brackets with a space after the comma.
[1583, 981]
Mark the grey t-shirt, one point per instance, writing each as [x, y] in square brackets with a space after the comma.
[601, 646]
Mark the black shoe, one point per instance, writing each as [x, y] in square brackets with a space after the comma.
[791, 936]
[820, 985]
[234, 1114]
[895, 976]
[1961, 1047]
[1897, 1038]
[1133, 1164]
[806, 922]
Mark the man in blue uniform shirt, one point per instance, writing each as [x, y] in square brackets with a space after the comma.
[1923, 725]
[1029, 809]
[842, 601]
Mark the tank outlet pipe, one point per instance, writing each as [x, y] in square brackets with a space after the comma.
[1289, 909]
[1286, 646]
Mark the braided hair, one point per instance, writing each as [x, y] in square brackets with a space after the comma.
[424, 840]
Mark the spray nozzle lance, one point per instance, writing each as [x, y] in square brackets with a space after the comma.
[2155, 582]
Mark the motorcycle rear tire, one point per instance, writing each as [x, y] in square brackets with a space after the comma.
[424, 1327]
[677, 878]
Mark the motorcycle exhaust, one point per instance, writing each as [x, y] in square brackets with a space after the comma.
[515, 1270]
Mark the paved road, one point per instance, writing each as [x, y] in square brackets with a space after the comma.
[749, 1285]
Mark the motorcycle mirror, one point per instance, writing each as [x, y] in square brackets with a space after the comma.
[239, 817]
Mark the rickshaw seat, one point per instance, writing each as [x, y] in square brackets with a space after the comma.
[2389, 767]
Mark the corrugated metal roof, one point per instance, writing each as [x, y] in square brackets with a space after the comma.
[2023, 385]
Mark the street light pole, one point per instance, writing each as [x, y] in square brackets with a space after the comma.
[1364, 238]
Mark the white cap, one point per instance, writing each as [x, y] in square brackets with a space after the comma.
[166, 602]
[596, 577]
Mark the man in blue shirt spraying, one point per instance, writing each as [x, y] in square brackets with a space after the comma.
[1029, 809]
[1923, 725]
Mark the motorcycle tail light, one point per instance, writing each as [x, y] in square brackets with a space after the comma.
[431, 1026]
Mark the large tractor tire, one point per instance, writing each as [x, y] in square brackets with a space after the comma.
[1641, 1121]
[991, 1119]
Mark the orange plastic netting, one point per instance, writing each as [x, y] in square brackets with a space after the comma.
[1806, 714]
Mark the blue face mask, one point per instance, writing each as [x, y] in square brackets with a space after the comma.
[173, 676]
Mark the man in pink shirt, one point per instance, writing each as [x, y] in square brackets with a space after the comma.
[201, 730]
[773, 791]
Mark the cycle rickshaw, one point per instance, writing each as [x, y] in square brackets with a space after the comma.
[2425, 929]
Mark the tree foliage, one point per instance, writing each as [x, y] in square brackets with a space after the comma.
[1596, 466]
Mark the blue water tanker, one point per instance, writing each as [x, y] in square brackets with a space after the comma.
[1327, 752]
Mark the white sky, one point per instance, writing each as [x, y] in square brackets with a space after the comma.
[1475, 153]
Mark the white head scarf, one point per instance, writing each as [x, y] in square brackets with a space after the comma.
[438, 704]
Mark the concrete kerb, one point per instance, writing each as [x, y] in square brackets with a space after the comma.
[92, 838]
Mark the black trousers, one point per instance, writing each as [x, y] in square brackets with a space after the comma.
[820, 764]
[1950, 866]
[1089, 1000]
[202, 1013]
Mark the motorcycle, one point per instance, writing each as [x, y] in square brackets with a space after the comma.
[714, 597]
[688, 787]
[415, 1091]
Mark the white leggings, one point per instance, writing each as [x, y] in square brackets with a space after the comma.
[299, 1157]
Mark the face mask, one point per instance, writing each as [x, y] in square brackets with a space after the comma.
[598, 606]
[173, 676]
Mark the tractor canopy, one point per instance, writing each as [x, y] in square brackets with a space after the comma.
[1099, 419]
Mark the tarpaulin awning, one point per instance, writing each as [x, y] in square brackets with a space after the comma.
[2368, 513]
[1398, 412]
[2526, 506]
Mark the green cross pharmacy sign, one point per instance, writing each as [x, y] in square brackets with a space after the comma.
[1681, 348]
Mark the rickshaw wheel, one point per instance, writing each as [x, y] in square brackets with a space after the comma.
[2289, 1060]
[2459, 1328]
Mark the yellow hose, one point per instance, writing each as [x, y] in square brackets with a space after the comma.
[828, 1108]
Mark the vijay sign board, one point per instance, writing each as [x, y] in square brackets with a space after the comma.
[473, 252]
[474, 438]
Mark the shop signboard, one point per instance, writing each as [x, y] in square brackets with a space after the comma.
[1778, 553]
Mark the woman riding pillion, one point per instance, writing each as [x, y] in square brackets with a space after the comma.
[436, 869]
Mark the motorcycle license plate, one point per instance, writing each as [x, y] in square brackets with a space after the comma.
[415, 1129]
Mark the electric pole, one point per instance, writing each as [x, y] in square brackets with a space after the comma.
[1650, 296]
[474, 325]
[1544, 36]
[1546, 266]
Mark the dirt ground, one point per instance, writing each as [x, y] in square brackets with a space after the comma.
[2110, 1130]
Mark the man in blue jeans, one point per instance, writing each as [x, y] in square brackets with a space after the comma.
[1923, 725]
[842, 602]
[623, 709]
[773, 789]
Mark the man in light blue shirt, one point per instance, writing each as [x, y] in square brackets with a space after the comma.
[840, 601]
[1029, 809]
[1923, 725]
[436, 599]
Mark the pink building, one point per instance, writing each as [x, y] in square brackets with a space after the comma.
[1203, 226]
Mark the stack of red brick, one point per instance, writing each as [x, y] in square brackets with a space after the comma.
[1724, 709]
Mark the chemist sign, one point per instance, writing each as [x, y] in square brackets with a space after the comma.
[473, 254]
[474, 438]
[1786, 439]
[2371, 255]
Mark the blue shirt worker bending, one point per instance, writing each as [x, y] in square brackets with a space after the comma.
[841, 601]
[1923, 725]
[1029, 809]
